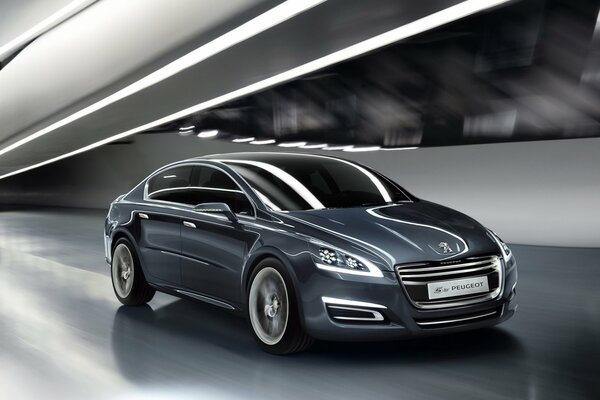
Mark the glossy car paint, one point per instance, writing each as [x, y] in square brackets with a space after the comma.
[211, 260]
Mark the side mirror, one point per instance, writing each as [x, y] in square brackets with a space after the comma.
[217, 208]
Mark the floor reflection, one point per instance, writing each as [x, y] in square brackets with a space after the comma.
[64, 335]
[193, 343]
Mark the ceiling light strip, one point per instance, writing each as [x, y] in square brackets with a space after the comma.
[263, 22]
[43, 26]
[429, 22]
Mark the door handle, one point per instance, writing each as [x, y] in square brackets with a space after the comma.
[143, 216]
[189, 224]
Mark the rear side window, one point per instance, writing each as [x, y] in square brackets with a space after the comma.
[178, 177]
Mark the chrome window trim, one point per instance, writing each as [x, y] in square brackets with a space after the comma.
[221, 218]
[195, 187]
[187, 207]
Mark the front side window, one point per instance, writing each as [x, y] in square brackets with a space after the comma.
[193, 185]
[304, 183]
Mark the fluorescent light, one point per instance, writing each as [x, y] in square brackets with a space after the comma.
[187, 128]
[361, 149]
[337, 147]
[208, 134]
[49, 22]
[267, 141]
[426, 23]
[398, 148]
[291, 144]
[186, 133]
[263, 22]
[313, 146]
[243, 140]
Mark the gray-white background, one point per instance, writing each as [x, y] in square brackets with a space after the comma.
[544, 193]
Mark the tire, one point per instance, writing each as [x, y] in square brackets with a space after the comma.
[273, 310]
[129, 284]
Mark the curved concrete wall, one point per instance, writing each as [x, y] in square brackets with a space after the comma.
[542, 193]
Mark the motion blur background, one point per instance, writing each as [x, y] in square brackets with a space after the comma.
[488, 107]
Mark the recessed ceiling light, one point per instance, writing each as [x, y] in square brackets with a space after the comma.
[267, 141]
[398, 148]
[208, 134]
[243, 140]
[187, 128]
[361, 149]
[291, 144]
[337, 147]
[314, 146]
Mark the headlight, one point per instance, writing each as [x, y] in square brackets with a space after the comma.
[506, 253]
[335, 260]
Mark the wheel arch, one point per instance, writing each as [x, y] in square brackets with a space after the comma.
[263, 254]
[123, 233]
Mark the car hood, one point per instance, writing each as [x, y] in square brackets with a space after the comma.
[404, 233]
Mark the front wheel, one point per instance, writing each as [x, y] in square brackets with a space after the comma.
[273, 310]
[128, 279]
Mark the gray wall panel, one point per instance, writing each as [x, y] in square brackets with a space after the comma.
[544, 193]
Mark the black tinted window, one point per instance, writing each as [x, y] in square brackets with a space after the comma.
[305, 182]
[193, 185]
[212, 178]
[177, 177]
[274, 192]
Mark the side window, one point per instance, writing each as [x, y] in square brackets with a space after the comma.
[210, 185]
[169, 185]
[193, 185]
[212, 178]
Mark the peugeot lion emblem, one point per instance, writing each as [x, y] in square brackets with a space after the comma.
[445, 247]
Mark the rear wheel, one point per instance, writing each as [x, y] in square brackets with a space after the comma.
[128, 279]
[273, 310]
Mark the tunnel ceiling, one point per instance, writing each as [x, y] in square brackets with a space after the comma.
[112, 44]
[524, 72]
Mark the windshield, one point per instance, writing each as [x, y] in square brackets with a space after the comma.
[312, 182]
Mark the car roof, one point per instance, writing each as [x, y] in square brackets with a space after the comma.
[268, 157]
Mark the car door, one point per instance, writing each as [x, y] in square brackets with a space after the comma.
[213, 248]
[160, 224]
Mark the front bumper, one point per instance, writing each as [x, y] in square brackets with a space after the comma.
[385, 297]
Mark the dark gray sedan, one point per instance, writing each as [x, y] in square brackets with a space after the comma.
[308, 247]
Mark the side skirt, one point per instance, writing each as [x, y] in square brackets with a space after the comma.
[187, 294]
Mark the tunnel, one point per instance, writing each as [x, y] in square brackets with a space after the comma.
[336, 199]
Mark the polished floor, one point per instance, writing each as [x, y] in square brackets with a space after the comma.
[63, 335]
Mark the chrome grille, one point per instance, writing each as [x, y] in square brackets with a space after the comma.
[416, 277]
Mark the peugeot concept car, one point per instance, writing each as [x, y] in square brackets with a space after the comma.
[307, 247]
